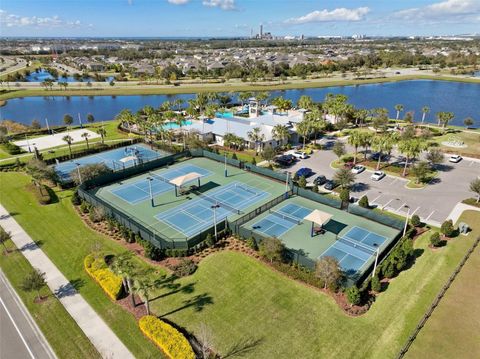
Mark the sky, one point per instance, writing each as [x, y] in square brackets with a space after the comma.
[227, 18]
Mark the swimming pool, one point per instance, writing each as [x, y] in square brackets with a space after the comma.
[224, 114]
[174, 125]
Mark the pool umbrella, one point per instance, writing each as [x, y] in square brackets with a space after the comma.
[318, 217]
[181, 180]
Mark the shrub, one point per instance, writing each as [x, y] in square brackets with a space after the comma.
[184, 268]
[353, 295]
[363, 202]
[98, 270]
[435, 239]
[376, 285]
[151, 252]
[347, 159]
[302, 182]
[315, 188]
[42, 194]
[234, 156]
[209, 240]
[447, 228]
[76, 200]
[85, 207]
[252, 243]
[415, 221]
[169, 339]
[254, 161]
[11, 148]
[97, 214]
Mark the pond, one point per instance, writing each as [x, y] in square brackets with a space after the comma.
[43, 75]
[460, 98]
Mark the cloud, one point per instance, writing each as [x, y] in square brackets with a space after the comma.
[178, 2]
[222, 4]
[12, 20]
[339, 14]
[449, 10]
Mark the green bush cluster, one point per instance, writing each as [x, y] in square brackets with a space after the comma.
[170, 340]
[11, 148]
[299, 273]
[415, 220]
[363, 202]
[398, 258]
[184, 267]
[435, 239]
[447, 228]
[97, 268]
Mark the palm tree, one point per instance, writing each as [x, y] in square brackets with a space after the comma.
[305, 102]
[355, 140]
[257, 137]
[382, 144]
[123, 267]
[126, 117]
[304, 130]
[411, 148]
[244, 96]
[280, 133]
[399, 108]
[262, 96]
[344, 177]
[68, 139]
[90, 118]
[102, 132]
[86, 135]
[425, 110]
[366, 141]
[144, 286]
[67, 119]
[444, 118]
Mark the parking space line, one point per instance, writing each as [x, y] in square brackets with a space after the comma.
[429, 216]
[386, 204]
[395, 180]
[471, 163]
[376, 198]
[415, 211]
[398, 210]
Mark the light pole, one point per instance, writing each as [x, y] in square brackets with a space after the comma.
[214, 207]
[377, 251]
[226, 174]
[79, 174]
[286, 184]
[150, 179]
[48, 127]
[406, 220]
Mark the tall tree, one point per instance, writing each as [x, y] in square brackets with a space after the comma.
[475, 188]
[304, 129]
[468, 122]
[444, 118]
[425, 110]
[68, 139]
[90, 118]
[399, 108]
[383, 144]
[280, 133]
[411, 148]
[344, 177]
[67, 119]
[305, 102]
[86, 135]
[328, 270]
[272, 249]
[355, 140]
[102, 132]
[257, 137]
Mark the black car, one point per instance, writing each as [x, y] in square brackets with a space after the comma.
[286, 160]
[330, 185]
[319, 180]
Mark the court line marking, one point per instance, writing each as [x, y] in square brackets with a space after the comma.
[17, 329]
[286, 229]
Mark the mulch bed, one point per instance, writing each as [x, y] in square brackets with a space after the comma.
[138, 311]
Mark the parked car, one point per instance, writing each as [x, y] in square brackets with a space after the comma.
[304, 171]
[285, 160]
[358, 169]
[455, 158]
[330, 185]
[299, 154]
[377, 175]
[319, 180]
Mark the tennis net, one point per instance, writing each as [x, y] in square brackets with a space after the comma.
[217, 202]
[362, 247]
[286, 217]
[247, 189]
[160, 178]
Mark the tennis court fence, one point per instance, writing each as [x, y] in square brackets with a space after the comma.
[377, 217]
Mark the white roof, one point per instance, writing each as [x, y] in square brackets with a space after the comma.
[181, 180]
[318, 217]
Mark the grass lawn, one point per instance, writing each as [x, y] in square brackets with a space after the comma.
[61, 331]
[453, 330]
[471, 139]
[66, 241]
[249, 308]
[246, 305]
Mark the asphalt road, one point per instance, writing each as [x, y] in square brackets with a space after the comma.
[433, 203]
[20, 337]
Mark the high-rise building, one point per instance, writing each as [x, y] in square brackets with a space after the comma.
[261, 31]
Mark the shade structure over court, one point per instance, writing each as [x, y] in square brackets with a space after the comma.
[127, 159]
[181, 180]
[318, 217]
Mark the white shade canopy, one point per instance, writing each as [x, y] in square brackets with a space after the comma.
[181, 180]
[128, 159]
[318, 217]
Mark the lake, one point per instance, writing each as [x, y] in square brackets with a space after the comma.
[43, 75]
[463, 99]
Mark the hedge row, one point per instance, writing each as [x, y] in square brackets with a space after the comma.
[98, 270]
[11, 148]
[169, 339]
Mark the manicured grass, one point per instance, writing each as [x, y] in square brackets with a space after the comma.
[62, 332]
[131, 89]
[244, 302]
[471, 139]
[453, 330]
[66, 240]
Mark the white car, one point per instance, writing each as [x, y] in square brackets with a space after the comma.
[299, 154]
[455, 158]
[358, 169]
[377, 175]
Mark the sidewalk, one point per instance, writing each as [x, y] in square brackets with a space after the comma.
[101, 336]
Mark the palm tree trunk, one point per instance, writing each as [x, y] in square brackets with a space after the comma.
[70, 150]
[147, 305]
[304, 139]
[355, 156]
[88, 147]
[379, 161]
[405, 168]
[423, 118]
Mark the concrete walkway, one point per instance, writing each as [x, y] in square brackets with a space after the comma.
[101, 336]
[459, 209]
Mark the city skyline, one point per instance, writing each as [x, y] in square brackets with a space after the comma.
[237, 18]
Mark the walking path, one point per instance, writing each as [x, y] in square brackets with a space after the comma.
[101, 336]
[458, 210]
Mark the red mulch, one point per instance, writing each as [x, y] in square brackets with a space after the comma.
[40, 300]
[138, 311]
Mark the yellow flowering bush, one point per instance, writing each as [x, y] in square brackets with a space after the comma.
[98, 270]
[169, 339]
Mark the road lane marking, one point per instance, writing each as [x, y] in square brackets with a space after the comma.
[18, 330]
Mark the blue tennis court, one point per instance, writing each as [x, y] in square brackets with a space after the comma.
[116, 159]
[282, 220]
[139, 191]
[198, 215]
[355, 248]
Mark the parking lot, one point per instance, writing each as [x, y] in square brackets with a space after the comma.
[433, 203]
